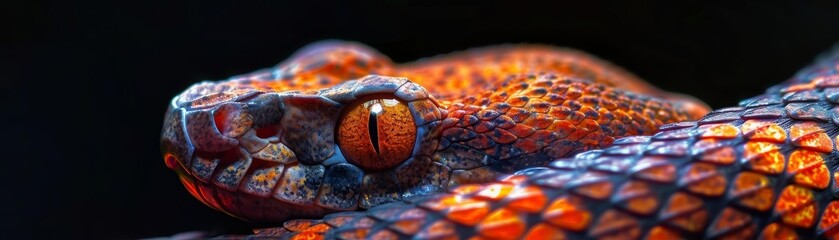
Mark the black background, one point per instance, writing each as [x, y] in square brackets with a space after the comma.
[85, 84]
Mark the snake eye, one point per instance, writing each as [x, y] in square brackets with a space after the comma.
[377, 134]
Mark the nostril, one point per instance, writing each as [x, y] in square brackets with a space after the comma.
[220, 118]
[171, 161]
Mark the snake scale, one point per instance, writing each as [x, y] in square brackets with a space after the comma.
[505, 142]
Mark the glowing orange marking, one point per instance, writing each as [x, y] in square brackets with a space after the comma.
[809, 169]
[829, 220]
[721, 131]
[777, 231]
[753, 190]
[495, 191]
[764, 157]
[502, 223]
[528, 199]
[544, 232]
[662, 233]
[811, 136]
[797, 206]
[756, 130]
[567, 212]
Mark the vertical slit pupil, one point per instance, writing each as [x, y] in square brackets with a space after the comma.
[372, 125]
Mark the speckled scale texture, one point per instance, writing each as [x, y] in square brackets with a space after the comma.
[765, 169]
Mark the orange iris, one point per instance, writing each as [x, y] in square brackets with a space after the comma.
[377, 134]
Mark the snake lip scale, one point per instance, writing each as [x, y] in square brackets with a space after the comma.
[508, 142]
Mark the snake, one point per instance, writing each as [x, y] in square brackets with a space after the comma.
[504, 142]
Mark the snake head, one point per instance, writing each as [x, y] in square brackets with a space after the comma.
[330, 130]
[248, 150]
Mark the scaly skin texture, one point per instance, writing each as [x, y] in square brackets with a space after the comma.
[302, 140]
[766, 168]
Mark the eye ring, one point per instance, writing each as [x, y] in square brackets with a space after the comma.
[377, 132]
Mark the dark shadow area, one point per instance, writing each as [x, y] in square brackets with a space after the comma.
[85, 84]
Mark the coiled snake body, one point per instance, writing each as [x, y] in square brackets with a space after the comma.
[476, 144]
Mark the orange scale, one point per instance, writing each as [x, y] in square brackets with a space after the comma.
[495, 191]
[764, 157]
[756, 130]
[528, 199]
[753, 191]
[724, 155]
[796, 131]
[468, 213]
[778, 231]
[654, 169]
[544, 232]
[308, 236]
[721, 131]
[829, 220]
[568, 213]
[639, 200]
[597, 190]
[437, 230]
[318, 228]
[502, 224]
[810, 135]
[702, 178]
[796, 205]
[613, 221]
[815, 141]
[685, 211]
[446, 202]
[816, 177]
[407, 227]
[803, 218]
[692, 222]
[803, 159]
[729, 219]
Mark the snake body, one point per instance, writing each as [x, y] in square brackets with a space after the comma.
[273, 145]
